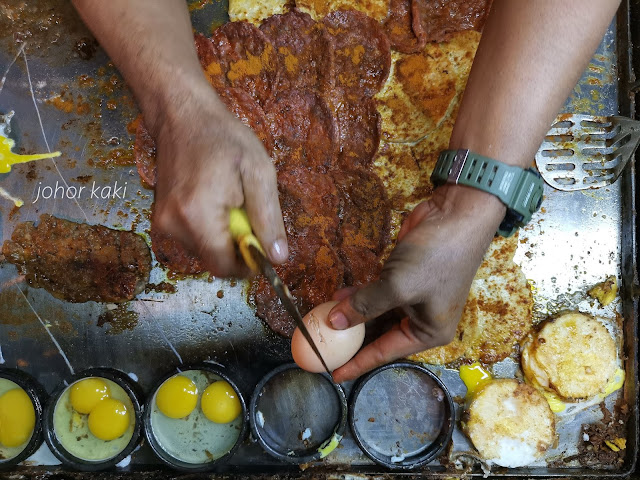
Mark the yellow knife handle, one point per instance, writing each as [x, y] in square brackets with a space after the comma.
[241, 232]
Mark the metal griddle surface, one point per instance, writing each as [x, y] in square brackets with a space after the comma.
[577, 240]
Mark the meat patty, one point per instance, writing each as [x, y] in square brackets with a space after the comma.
[305, 51]
[309, 203]
[365, 224]
[304, 129]
[440, 18]
[241, 56]
[358, 129]
[363, 51]
[405, 35]
[79, 262]
[249, 112]
[170, 252]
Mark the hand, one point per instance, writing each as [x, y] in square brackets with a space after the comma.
[429, 273]
[208, 162]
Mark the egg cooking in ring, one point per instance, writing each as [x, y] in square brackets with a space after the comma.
[337, 347]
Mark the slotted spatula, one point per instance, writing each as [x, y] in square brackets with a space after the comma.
[587, 151]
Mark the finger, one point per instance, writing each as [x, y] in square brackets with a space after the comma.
[344, 293]
[260, 187]
[365, 304]
[397, 343]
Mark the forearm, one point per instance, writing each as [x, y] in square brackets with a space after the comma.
[151, 43]
[531, 55]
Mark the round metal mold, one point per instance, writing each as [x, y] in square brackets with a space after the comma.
[134, 393]
[294, 414]
[163, 453]
[401, 415]
[38, 396]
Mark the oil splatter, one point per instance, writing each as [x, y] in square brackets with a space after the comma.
[120, 319]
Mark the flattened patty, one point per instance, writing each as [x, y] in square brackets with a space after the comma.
[441, 18]
[305, 51]
[172, 254]
[79, 262]
[241, 56]
[405, 35]
[304, 130]
[363, 51]
[358, 130]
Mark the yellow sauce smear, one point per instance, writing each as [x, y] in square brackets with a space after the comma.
[8, 158]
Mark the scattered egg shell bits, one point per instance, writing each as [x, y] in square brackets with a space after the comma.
[337, 347]
[17, 419]
[194, 419]
[94, 419]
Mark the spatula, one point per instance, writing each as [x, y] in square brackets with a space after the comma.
[587, 151]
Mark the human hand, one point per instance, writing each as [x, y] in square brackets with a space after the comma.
[429, 273]
[208, 162]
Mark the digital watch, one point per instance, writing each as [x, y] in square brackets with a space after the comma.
[519, 189]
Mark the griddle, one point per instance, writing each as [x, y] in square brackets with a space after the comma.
[576, 241]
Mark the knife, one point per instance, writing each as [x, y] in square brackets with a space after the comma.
[255, 258]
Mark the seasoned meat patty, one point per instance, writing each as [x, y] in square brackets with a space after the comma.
[305, 51]
[79, 262]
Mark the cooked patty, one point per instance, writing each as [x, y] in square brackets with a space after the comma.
[79, 262]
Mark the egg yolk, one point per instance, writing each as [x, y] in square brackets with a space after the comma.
[177, 397]
[87, 393]
[109, 419]
[220, 402]
[474, 377]
[17, 418]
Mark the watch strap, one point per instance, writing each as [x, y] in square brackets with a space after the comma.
[519, 189]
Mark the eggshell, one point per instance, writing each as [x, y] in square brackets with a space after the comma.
[336, 346]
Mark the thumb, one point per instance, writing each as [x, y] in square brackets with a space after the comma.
[365, 304]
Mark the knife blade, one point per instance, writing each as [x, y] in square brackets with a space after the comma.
[255, 258]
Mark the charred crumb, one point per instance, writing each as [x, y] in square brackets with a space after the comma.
[162, 287]
[604, 441]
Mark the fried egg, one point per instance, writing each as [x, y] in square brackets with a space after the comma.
[102, 433]
[509, 423]
[209, 430]
[573, 356]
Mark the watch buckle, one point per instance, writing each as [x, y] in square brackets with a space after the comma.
[457, 165]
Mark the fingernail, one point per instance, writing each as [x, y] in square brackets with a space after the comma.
[278, 251]
[339, 321]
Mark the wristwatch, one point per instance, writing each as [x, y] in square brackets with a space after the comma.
[519, 189]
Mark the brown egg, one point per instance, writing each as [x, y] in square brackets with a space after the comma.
[337, 347]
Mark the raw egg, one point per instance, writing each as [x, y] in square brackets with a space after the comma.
[337, 347]
[220, 402]
[17, 418]
[177, 397]
[109, 419]
[86, 394]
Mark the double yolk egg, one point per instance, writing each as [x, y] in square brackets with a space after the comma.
[177, 397]
[108, 418]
